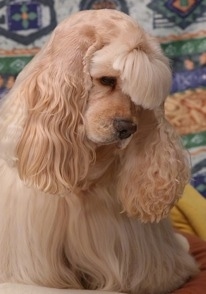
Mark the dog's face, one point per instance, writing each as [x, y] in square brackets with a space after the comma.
[128, 73]
[110, 115]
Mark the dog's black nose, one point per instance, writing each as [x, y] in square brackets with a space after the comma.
[124, 128]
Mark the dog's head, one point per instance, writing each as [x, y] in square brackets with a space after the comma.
[127, 70]
[99, 80]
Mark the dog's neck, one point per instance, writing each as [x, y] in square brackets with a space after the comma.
[104, 168]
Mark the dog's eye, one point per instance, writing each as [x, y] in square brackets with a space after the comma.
[108, 81]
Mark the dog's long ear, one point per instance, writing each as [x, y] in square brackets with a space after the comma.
[52, 152]
[154, 170]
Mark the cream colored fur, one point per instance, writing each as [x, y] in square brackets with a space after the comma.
[10, 288]
[81, 208]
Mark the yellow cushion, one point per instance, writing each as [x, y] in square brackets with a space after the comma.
[189, 214]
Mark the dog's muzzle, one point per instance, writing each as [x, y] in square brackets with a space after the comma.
[124, 128]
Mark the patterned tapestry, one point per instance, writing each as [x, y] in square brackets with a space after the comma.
[180, 26]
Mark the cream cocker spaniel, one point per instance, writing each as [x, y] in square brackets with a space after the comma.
[89, 167]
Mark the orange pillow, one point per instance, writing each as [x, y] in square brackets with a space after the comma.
[196, 285]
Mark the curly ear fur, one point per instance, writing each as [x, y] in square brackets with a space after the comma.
[51, 136]
[157, 164]
[52, 93]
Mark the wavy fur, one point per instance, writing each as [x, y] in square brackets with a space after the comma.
[74, 193]
[156, 163]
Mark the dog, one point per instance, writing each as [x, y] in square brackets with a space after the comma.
[89, 166]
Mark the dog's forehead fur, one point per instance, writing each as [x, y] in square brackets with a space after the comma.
[92, 40]
[123, 49]
[105, 22]
[104, 26]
